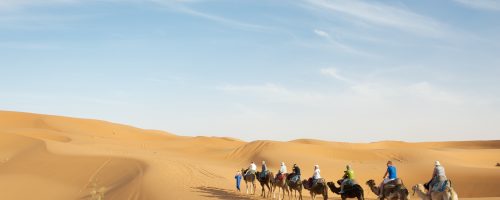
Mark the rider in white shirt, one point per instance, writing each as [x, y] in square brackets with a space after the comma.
[253, 166]
[316, 174]
[251, 169]
[283, 168]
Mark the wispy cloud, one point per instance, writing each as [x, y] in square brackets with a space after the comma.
[384, 15]
[181, 6]
[321, 33]
[219, 19]
[340, 46]
[332, 72]
[271, 92]
[493, 5]
[14, 4]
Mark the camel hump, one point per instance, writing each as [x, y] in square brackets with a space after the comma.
[398, 181]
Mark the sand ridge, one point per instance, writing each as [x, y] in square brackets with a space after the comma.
[54, 157]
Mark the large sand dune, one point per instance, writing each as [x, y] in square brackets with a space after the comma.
[60, 158]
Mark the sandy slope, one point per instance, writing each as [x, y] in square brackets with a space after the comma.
[51, 157]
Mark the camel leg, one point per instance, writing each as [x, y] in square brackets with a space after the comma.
[246, 187]
[274, 191]
[263, 193]
[268, 190]
[254, 187]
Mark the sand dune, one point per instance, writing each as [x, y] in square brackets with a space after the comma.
[52, 157]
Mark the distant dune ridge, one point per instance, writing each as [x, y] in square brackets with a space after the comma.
[47, 157]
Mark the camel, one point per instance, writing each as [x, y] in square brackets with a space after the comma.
[319, 188]
[448, 194]
[396, 193]
[282, 186]
[266, 182]
[297, 187]
[250, 178]
[355, 191]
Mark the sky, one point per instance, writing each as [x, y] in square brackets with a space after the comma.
[338, 70]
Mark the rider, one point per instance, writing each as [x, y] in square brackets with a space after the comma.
[251, 169]
[316, 176]
[347, 179]
[390, 175]
[282, 170]
[296, 172]
[295, 175]
[438, 176]
[264, 170]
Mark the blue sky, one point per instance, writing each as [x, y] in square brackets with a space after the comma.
[354, 71]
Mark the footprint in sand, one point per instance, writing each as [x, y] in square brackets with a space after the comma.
[4, 160]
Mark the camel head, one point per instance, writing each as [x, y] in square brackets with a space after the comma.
[332, 187]
[305, 184]
[418, 187]
[371, 183]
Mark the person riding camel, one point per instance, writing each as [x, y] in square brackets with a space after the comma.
[295, 175]
[347, 179]
[316, 176]
[264, 170]
[251, 169]
[390, 175]
[438, 176]
[282, 171]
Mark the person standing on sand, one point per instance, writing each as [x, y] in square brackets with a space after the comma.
[238, 180]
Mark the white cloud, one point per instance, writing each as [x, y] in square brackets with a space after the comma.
[384, 15]
[13, 4]
[332, 72]
[339, 45]
[174, 5]
[481, 4]
[428, 92]
[321, 33]
[271, 92]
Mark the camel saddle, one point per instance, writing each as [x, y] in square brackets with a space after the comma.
[313, 183]
[281, 177]
[441, 185]
[263, 175]
[391, 185]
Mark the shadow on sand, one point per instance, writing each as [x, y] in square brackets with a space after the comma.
[218, 193]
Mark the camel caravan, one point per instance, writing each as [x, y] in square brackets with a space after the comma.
[391, 188]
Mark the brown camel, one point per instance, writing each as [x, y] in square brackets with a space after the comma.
[267, 181]
[391, 193]
[281, 184]
[319, 188]
[250, 178]
[297, 187]
[355, 191]
[448, 194]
